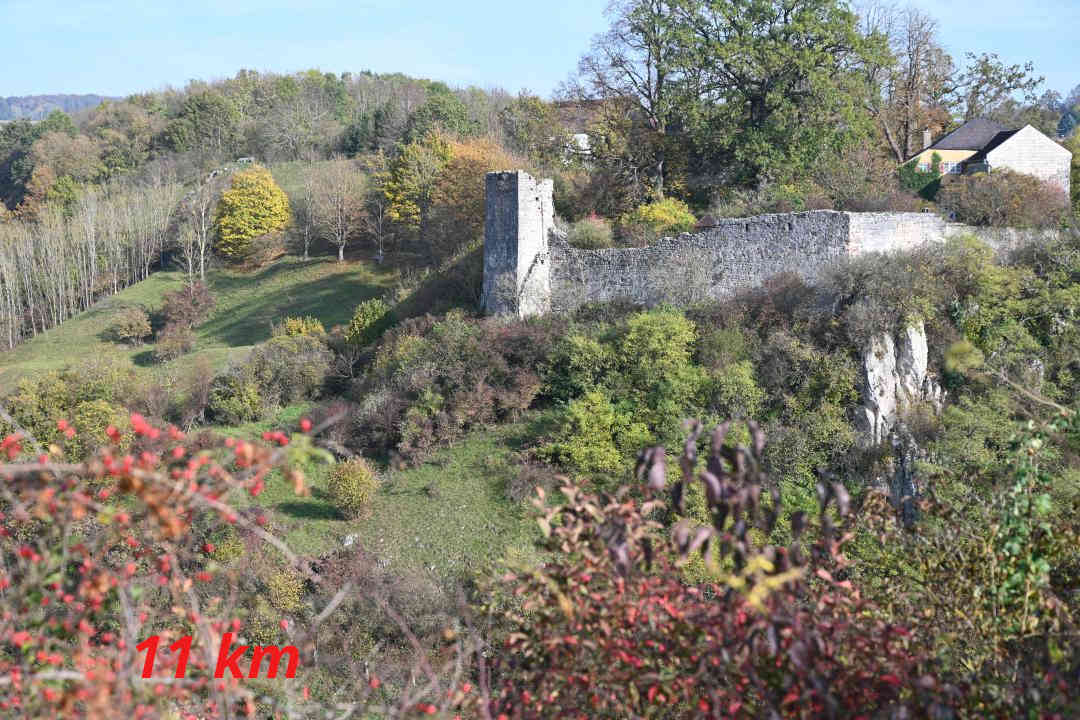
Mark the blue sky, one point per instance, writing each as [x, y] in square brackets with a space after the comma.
[116, 47]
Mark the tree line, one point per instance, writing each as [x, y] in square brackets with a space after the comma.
[62, 263]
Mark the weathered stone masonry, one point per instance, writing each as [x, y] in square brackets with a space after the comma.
[530, 269]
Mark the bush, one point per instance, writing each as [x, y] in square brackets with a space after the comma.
[188, 306]
[590, 233]
[925, 183]
[352, 485]
[284, 369]
[595, 438]
[733, 392]
[40, 401]
[172, 342]
[288, 368]
[609, 623]
[252, 207]
[578, 365]
[132, 326]
[656, 373]
[234, 400]
[434, 379]
[307, 325]
[653, 220]
[286, 590]
[369, 321]
[1003, 199]
[91, 418]
[772, 198]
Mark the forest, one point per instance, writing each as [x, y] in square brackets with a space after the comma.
[246, 388]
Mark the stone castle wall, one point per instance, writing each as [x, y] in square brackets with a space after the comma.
[530, 269]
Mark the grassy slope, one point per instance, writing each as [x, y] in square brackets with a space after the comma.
[247, 305]
[446, 517]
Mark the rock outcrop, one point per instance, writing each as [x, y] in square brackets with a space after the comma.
[895, 378]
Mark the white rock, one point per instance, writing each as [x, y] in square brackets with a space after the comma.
[911, 362]
[894, 378]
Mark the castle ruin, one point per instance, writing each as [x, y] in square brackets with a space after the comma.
[530, 269]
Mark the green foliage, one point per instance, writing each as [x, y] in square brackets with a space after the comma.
[733, 392]
[91, 418]
[283, 370]
[91, 390]
[590, 233]
[925, 183]
[234, 400]
[578, 364]
[207, 121]
[351, 486]
[625, 390]
[780, 95]
[655, 372]
[441, 112]
[306, 325]
[254, 205]
[369, 321]
[410, 183]
[593, 437]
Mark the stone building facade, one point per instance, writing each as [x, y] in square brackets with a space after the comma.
[530, 269]
[1030, 152]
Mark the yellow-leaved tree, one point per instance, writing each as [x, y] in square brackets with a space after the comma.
[253, 205]
[435, 190]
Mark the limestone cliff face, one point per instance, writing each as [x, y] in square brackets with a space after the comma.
[894, 378]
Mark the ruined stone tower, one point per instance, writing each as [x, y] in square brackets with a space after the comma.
[517, 268]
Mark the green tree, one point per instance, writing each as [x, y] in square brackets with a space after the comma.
[411, 180]
[254, 205]
[207, 121]
[443, 111]
[774, 82]
[1073, 144]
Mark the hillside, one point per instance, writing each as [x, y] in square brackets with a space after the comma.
[738, 379]
[37, 107]
[248, 303]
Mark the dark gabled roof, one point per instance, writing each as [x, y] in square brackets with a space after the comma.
[994, 142]
[975, 134]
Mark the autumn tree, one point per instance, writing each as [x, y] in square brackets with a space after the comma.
[338, 202]
[411, 179]
[253, 206]
[909, 86]
[986, 84]
[457, 197]
[638, 59]
[531, 128]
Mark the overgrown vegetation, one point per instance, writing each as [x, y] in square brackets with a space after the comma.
[336, 455]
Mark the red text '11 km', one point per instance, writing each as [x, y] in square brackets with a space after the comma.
[228, 657]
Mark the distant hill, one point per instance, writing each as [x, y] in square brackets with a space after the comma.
[36, 107]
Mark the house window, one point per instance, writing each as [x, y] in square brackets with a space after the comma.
[950, 168]
[924, 167]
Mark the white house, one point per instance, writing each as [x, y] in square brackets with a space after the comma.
[982, 145]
